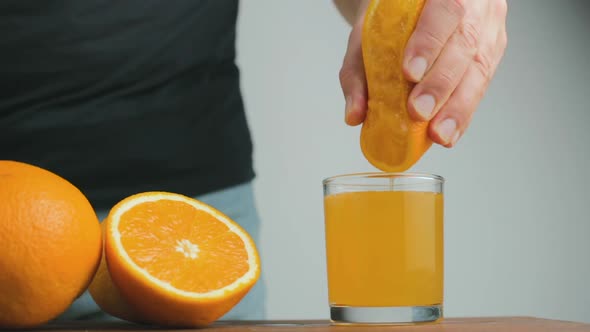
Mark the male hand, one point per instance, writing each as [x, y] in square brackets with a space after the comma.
[452, 56]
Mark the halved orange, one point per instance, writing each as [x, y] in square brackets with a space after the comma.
[390, 140]
[177, 261]
[106, 295]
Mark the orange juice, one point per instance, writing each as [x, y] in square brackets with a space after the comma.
[384, 248]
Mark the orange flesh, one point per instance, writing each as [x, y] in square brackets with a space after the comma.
[219, 256]
[390, 140]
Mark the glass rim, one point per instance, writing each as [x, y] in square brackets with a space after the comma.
[367, 175]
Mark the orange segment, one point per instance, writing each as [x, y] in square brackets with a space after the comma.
[177, 247]
[390, 139]
[178, 261]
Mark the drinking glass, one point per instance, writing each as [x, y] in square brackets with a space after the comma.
[384, 247]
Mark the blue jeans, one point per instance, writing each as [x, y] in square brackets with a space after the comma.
[238, 203]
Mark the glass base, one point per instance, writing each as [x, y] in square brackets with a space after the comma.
[385, 315]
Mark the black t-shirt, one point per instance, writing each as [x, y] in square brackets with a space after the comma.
[126, 96]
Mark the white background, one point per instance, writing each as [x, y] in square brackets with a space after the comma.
[518, 184]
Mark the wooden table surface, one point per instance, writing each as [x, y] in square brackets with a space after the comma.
[484, 324]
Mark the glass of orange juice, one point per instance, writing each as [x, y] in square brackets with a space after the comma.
[384, 247]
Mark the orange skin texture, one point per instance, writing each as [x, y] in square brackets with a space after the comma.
[107, 295]
[51, 244]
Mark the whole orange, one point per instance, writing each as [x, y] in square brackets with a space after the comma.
[51, 244]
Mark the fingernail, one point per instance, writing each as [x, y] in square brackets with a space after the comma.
[447, 131]
[455, 138]
[417, 67]
[424, 105]
[347, 106]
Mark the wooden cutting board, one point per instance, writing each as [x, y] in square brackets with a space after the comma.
[495, 324]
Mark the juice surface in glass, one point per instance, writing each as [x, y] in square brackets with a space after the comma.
[384, 248]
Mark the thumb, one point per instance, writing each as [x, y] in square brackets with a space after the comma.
[352, 79]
